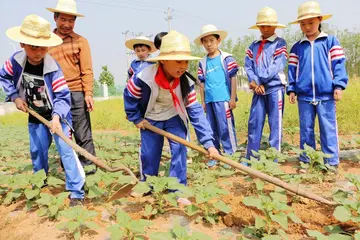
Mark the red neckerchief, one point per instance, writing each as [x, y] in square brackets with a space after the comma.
[162, 81]
[260, 50]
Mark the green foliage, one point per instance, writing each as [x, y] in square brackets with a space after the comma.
[179, 233]
[51, 205]
[126, 228]
[106, 77]
[78, 218]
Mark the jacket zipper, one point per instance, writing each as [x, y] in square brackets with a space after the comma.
[312, 69]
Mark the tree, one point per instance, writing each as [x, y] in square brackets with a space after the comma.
[106, 77]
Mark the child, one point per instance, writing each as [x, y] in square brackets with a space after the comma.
[264, 64]
[33, 78]
[217, 74]
[162, 95]
[158, 39]
[142, 47]
[317, 77]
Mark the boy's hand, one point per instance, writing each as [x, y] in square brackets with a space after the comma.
[338, 94]
[253, 85]
[55, 124]
[89, 103]
[212, 152]
[141, 124]
[232, 104]
[292, 98]
[260, 90]
[20, 104]
[204, 106]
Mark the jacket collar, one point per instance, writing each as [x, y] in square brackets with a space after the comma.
[49, 63]
[321, 35]
[270, 39]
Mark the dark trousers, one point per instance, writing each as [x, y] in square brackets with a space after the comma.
[82, 125]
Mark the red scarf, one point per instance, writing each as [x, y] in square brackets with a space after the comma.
[260, 50]
[162, 81]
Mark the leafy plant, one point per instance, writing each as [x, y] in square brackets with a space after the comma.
[178, 233]
[127, 228]
[51, 205]
[79, 219]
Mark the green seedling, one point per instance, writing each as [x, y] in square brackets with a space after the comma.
[50, 205]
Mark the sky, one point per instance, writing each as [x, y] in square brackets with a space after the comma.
[106, 21]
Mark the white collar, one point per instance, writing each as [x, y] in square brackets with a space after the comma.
[270, 39]
[321, 35]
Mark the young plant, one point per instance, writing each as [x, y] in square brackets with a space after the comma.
[275, 209]
[126, 228]
[292, 131]
[334, 233]
[50, 205]
[79, 219]
[178, 233]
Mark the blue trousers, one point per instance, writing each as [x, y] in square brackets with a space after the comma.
[152, 145]
[326, 111]
[40, 141]
[273, 105]
[221, 120]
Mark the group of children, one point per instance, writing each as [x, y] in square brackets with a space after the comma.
[161, 92]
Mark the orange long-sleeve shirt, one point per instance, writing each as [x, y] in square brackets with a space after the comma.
[74, 57]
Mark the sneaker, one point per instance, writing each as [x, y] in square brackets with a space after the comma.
[183, 201]
[211, 163]
[76, 202]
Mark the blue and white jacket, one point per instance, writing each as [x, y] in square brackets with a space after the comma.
[137, 66]
[229, 65]
[269, 71]
[59, 93]
[317, 68]
[140, 96]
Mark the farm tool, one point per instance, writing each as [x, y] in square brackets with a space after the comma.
[123, 191]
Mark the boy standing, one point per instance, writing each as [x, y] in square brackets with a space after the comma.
[264, 64]
[142, 47]
[217, 74]
[33, 78]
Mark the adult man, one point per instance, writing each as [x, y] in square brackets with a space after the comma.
[74, 57]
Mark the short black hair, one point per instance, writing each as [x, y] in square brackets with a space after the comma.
[158, 39]
[217, 36]
[57, 14]
[141, 45]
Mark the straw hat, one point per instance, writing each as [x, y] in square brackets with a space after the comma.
[34, 31]
[310, 10]
[67, 7]
[209, 30]
[174, 46]
[140, 40]
[267, 17]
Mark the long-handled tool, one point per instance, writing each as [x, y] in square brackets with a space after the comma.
[253, 172]
[123, 191]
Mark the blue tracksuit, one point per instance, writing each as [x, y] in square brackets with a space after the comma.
[316, 69]
[218, 114]
[266, 68]
[137, 66]
[58, 93]
[139, 98]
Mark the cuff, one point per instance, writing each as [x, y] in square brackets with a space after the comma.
[137, 120]
[208, 144]
[14, 96]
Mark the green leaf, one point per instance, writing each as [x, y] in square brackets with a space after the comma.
[95, 191]
[148, 210]
[77, 235]
[69, 213]
[40, 175]
[253, 202]
[199, 198]
[55, 182]
[342, 214]
[72, 226]
[179, 231]
[42, 212]
[161, 236]
[90, 214]
[259, 184]
[259, 222]
[122, 217]
[45, 199]
[199, 236]
[53, 210]
[316, 234]
[220, 205]
[91, 225]
[61, 226]
[294, 218]
[116, 232]
[191, 210]
[142, 187]
[333, 229]
[280, 218]
[171, 198]
[339, 237]
[30, 194]
[357, 235]
[271, 237]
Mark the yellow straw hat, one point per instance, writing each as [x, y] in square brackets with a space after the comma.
[140, 40]
[267, 17]
[34, 31]
[174, 46]
[310, 10]
[209, 30]
[66, 7]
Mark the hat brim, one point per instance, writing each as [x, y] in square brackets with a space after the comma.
[221, 33]
[16, 35]
[173, 57]
[131, 42]
[54, 10]
[324, 17]
[278, 25]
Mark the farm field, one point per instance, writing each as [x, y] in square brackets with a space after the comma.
[227, 204]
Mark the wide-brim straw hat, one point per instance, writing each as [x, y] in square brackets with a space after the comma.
[208, 30]
[140, 40]
[174, 46]
[310, 10]
[267, 17]
[66, 7]
[34, 31]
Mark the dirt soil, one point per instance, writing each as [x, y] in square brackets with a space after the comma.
[16, 223]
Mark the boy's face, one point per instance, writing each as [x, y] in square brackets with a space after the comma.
[310, 27]
[210, 43]
[267, 31]
[65, 23]
[35, 54]
[175, 68]
[142, 52]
